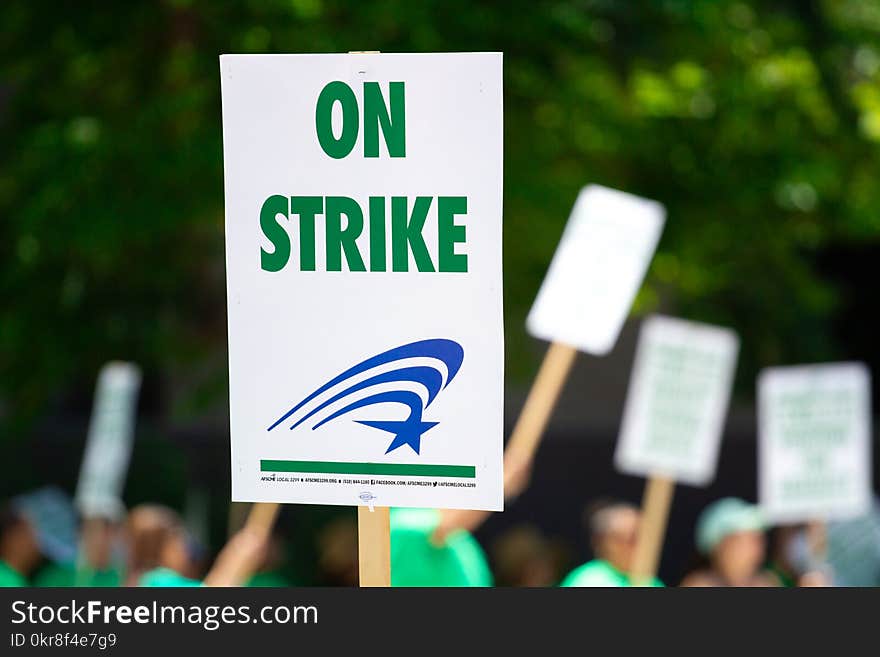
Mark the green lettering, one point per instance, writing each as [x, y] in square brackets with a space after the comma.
[331, 94]
[376, 114]
[377, 233]
[306, 207]
[449, 233]
[275, 233]
[406, 234]
[339, 240]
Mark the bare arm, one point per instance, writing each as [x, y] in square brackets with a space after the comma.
[238, 559]
[517, 473]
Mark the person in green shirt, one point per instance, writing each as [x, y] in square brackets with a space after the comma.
[175, 557]
[97, 562]
[613, 529]
[164, 577]
[237, 560]
[65, 575]
[418, 560]
[19, 547]
[10, 577]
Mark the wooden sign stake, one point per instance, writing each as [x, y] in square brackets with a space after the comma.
[374, 546]
[374, 538]
[262, 517]
[655, 512]
[542, 398]
[526, 436]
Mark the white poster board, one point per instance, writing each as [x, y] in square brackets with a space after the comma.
[363, 261]
[597, 269]
[108, 446]
[678, 396]
[814, 448]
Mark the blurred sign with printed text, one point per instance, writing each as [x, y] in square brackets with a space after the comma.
[677, 401]
[814, 448]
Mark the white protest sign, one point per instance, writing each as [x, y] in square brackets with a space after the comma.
[597, 269]
[814, 448]
[363, 261]
[677, 400]
[108, 446]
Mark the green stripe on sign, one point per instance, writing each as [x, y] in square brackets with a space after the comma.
[341, 467]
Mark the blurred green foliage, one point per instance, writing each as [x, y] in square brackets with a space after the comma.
[757, 124]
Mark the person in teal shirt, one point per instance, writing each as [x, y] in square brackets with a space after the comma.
[418, 560]
[62, 575]
[166, 577]
[98, 561]
[613, 528]
[237, 560]
[175, 557]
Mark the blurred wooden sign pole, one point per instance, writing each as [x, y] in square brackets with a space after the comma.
[655, 513]
[588, 290]
[525, 439]
[673, 420]
[541, 400]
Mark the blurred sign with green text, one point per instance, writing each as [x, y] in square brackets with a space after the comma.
[814, 449]
[677, 400]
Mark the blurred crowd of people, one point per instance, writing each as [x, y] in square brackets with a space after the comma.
[43, 543]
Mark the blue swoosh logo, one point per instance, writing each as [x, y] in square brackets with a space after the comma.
[406, 432]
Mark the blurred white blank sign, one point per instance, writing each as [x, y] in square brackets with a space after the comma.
[108, 447]
[814, 449]
[597, 269]
[677, 400]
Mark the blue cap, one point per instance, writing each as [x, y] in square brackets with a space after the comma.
[724, 517]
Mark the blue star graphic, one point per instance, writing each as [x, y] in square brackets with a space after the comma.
[406, 432]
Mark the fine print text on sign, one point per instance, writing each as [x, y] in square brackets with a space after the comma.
[363, 245]
[814, 458]
[597, 269]
[677, 400]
